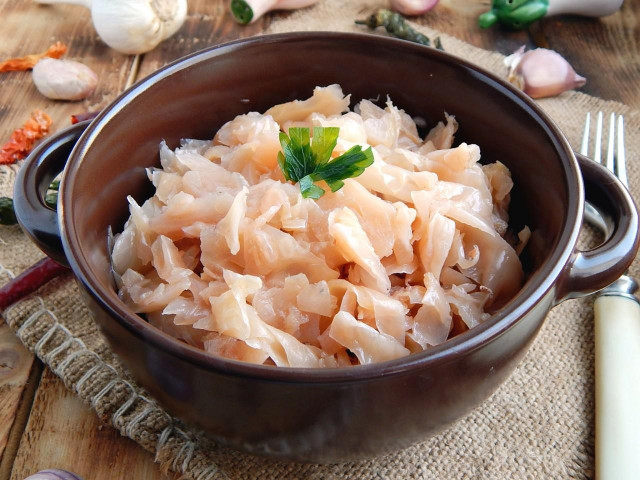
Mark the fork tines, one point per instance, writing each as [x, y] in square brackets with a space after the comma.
[616, 161]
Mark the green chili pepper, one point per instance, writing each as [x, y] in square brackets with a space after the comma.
[7, 215]
[397, 26]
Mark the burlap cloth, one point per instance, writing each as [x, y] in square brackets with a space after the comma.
[538, 424]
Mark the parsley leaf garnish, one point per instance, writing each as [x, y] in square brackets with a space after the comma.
[307, 162]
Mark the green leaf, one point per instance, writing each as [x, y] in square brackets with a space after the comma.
[7, 214]
[307, 162]
[297, 152]
[335, 185]
[287, 165]
[348, 165]
[310, 189]
[324, 142]
[283, 165]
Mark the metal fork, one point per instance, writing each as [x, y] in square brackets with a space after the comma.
[617, 338]
[616, 162]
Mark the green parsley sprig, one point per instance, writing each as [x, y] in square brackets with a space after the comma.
[307, 162]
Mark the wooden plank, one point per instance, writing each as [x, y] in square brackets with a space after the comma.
[593, 46]
[30, 28]
[61, 431]
[64, 433]
[20, 419]
[15, 365]
[208, 23]
[606, 51]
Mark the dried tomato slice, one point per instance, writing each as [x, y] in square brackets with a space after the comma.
[23, 139]
[27, 62]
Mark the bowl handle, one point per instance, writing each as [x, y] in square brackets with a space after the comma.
[37, 219]
[592, 270]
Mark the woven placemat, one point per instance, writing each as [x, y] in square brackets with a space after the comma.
[538, 424]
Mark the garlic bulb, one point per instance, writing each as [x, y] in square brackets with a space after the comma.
[133, 26]
[64, 79]
[542, 73]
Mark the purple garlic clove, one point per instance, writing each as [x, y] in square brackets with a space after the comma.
[413, 7]
[542, 73]
[53, 474]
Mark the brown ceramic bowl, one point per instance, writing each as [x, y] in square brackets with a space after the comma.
[312, 414]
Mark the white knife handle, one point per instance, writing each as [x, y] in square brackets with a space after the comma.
[617, 368]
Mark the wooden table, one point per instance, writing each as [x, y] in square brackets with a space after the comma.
[41, 423]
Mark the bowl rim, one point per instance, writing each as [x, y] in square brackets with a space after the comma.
[500, 322]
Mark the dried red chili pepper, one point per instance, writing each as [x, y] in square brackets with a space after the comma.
[81, 117]
[23, 139]
[29, 281]
[27, 62]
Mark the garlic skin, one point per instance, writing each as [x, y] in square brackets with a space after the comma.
[413, 7]
[542, 73]
[248, 11]
[64, 79]
[53, 474]
[133, 26]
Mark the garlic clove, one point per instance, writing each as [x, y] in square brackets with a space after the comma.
[413, 7]
[53, 474]
[542, 73]
[64, 79]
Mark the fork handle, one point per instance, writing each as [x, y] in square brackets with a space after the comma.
[617, 365]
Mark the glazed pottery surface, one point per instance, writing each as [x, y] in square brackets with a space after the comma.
[336, 414]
